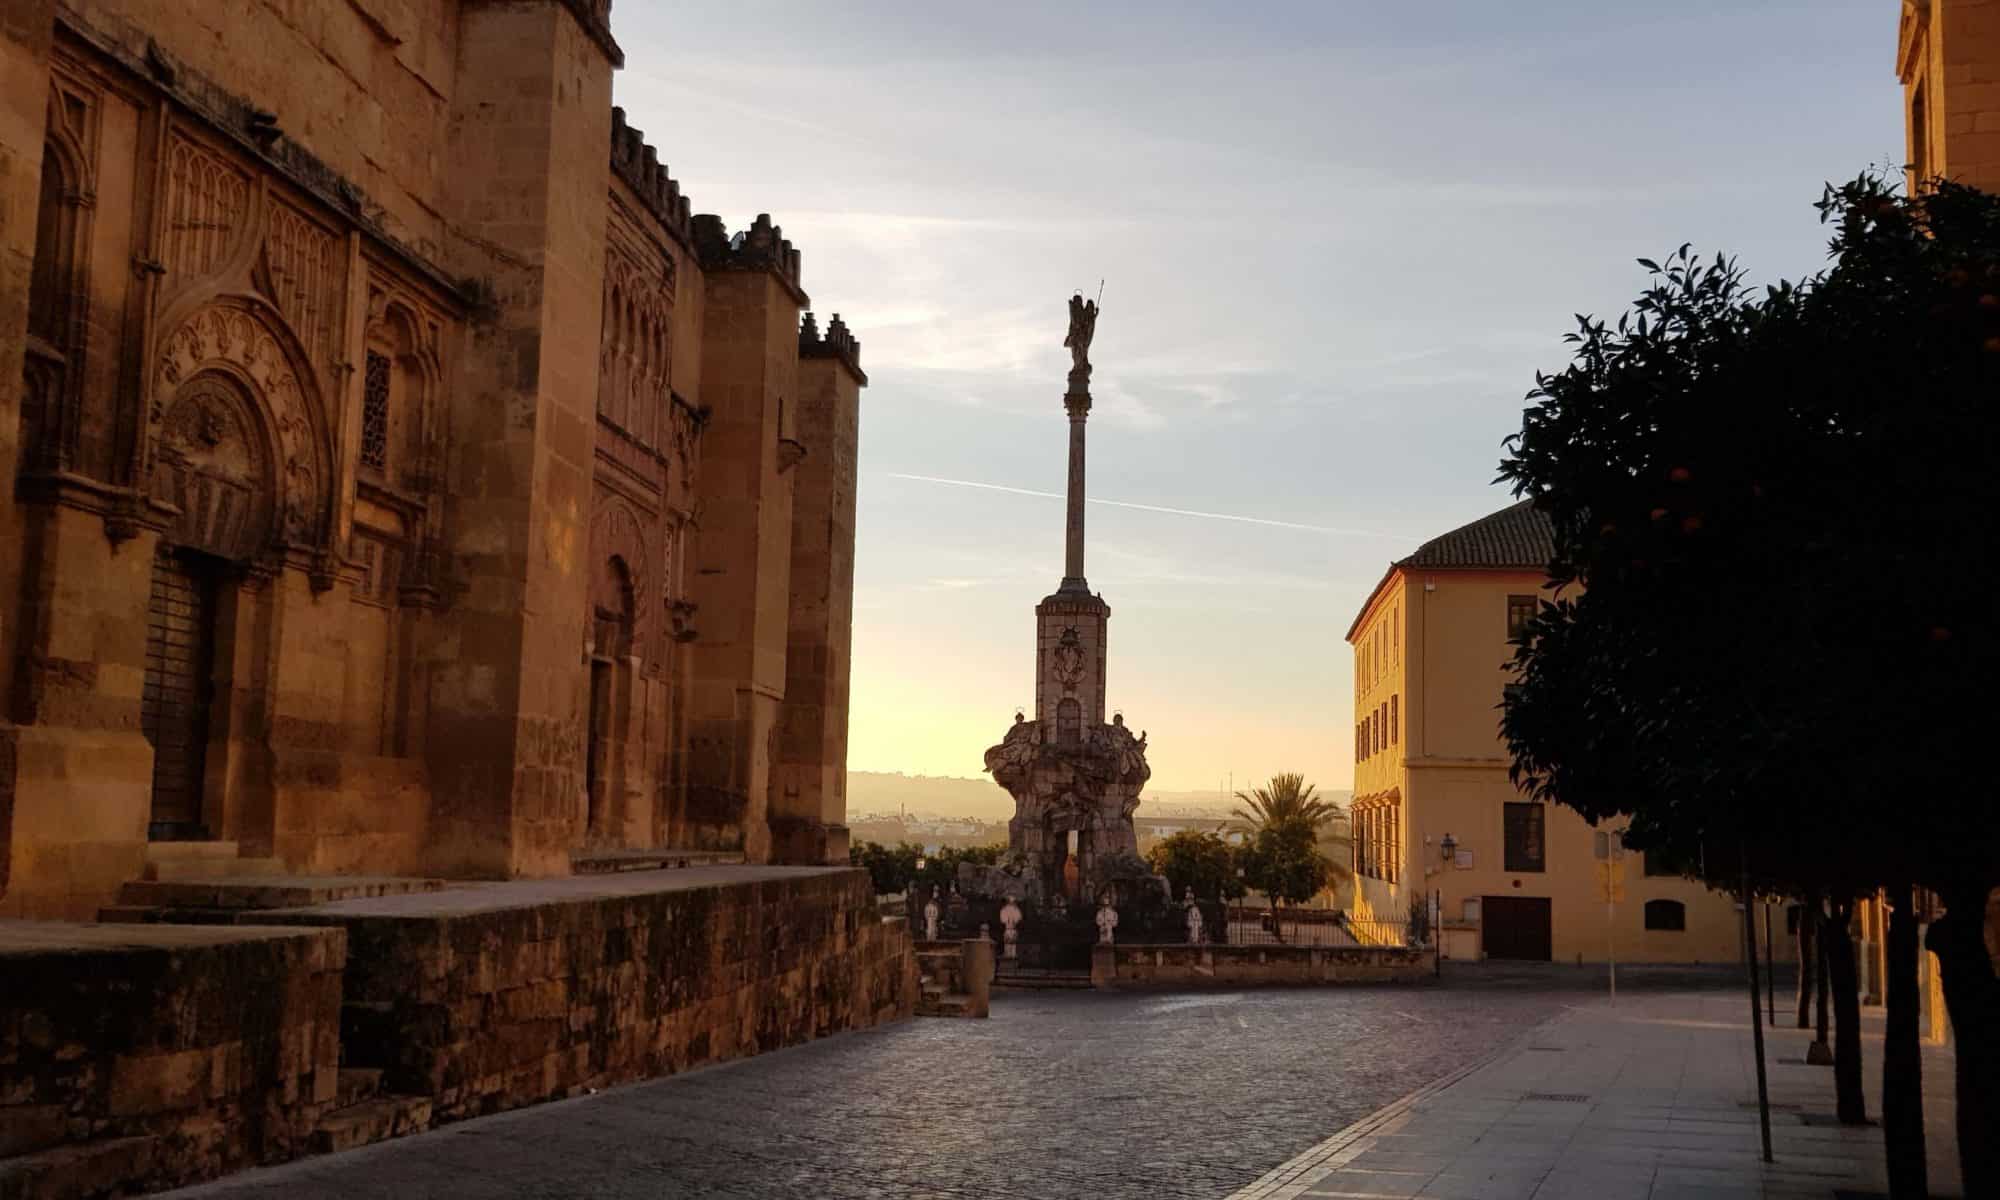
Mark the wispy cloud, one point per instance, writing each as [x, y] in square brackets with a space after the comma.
[1156, 508]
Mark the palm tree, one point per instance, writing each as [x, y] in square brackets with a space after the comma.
[1287, 798]
[1288, 803]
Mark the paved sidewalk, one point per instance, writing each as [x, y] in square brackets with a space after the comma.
[1651, 1099]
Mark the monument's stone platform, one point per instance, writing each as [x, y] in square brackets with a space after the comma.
[1184, 967]
[143, 1056]
[137, 1056]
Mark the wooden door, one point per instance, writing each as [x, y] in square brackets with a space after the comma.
[173, 712]
[1517, 927]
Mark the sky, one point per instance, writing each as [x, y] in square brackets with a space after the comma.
[1336, 241]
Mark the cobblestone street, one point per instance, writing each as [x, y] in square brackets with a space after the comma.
[1059, 1094]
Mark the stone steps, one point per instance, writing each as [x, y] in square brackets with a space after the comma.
[1041, 981]
[357, 1084]
[99, 1168]
[371, 1121]
[939, 1003]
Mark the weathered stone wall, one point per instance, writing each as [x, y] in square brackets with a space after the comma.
[143, 1057]
[1137, 966]
[742, 584]
[809, 782]
[494, 1007]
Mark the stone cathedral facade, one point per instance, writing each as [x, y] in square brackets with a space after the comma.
[402, 477]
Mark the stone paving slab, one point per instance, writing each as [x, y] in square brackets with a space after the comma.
[1653, 1098]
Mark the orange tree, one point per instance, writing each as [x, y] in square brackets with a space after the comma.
[1781, 508]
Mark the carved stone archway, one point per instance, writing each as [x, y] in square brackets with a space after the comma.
[212, 463]
[280, 402]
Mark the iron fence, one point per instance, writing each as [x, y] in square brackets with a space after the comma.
[1308, 928]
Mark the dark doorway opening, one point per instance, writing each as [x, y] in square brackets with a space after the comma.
[179, 690]
[1519, 928]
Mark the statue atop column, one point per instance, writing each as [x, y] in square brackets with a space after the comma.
[1082, 327]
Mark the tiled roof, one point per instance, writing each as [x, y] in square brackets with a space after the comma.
[1516, 536]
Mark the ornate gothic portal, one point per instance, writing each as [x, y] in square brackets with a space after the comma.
[1075, 779]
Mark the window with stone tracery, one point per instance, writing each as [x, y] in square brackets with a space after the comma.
[375, 412]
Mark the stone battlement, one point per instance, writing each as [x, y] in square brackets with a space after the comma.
[595, 17]
[836, 343]
[762, 247]
[635, 160]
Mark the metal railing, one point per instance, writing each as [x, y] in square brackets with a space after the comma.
[1249, 927]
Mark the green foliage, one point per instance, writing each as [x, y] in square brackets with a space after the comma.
[891, 869]
[1200, 860]
[894, 869]
[1779, 506]
[1287, 798]
[941, 869]
[1284, 862]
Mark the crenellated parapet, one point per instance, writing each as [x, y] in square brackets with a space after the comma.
[635, 161]
[836, 343]
[595, 17]
[762, 247]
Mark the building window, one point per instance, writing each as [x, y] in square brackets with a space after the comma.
[1395, 720]
[1668, 915]
[1520, 611]
[375, 412]
[1657, 863]
[1393, 873]
[1920, 137]
[1525, 837]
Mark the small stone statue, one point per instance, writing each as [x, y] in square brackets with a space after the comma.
[1193, 919]
[1107, 920]
[1082, 328]
[931, 916]
[1010, 927]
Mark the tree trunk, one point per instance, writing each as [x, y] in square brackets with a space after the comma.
[1972, 996]
[1850, 1101]
[1902, 1061]
[1808, 959]
[1820, 1053]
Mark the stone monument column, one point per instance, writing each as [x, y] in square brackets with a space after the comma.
[1078, 404]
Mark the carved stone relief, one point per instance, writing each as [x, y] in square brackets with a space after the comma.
[231, 339]
[208, 205]
[210, 464]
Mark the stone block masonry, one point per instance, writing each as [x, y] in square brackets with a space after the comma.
[1183, 967]
[489, 998]
[136, 1057]
[143, 1057]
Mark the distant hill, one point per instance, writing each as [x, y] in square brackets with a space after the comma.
[979, 797]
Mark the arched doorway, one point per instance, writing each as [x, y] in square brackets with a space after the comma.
[179, 689]
[212, 467]
[614, 610]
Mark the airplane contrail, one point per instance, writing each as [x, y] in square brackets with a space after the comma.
[1158, 508]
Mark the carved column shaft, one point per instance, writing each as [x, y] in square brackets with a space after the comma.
[1073, 578]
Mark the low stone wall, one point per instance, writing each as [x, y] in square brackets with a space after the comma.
[142, 1057]
[1182, 966]
[490, 998]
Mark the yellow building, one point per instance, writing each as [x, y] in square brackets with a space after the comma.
[1434, 812]
[1948, 56]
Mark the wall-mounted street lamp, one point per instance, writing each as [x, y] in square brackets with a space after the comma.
[1449, 848]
